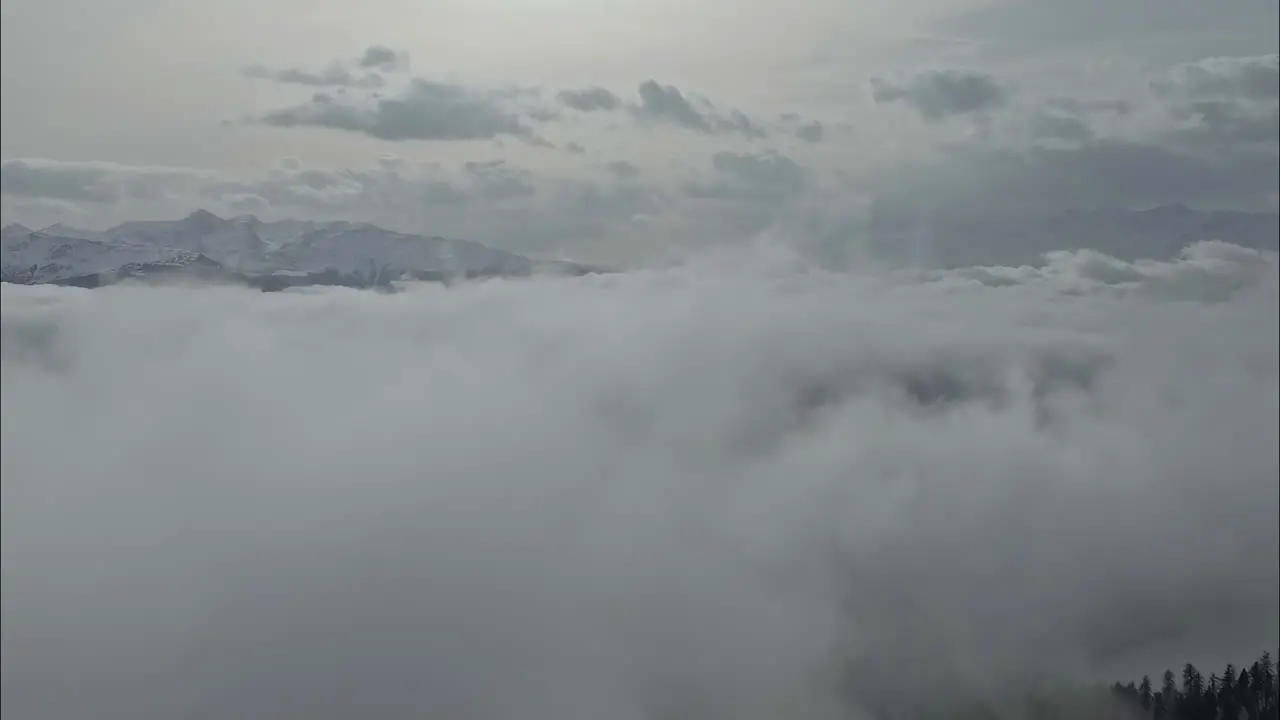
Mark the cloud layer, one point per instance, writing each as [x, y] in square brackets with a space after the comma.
[738, 488]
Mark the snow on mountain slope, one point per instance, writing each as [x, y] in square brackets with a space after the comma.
[251, 248]
[36, 257]
[279, 233]
[234, 245]
[67, 231]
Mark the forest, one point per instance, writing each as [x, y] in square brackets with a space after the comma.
[1234, 693]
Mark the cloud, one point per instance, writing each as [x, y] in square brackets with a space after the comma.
[939, 94]
[1251, 78]
[590, 99]
[810, 132]
[92, 182]
[495, 179]
[1060, 127]
[383, 58]
[976, 181]
[730, 489]
[394, 185]
[767, 175]
[1225, 103]
[424, 111]
[665, 103]
[1089, 106]
[333, 76]
[623, 170]
[1226, 125]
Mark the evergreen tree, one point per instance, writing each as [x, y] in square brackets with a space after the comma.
[1144, 693]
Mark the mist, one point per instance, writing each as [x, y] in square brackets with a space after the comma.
[720, 490]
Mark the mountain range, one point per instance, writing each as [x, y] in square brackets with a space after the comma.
[288, 253]
[269, 255]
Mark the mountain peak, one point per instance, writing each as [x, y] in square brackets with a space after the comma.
[202, 219]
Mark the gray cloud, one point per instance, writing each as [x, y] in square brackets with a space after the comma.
[810, 132]
[334, 76]
[394, 185]
[1225, 78]
[590, 99]
[623, 170]
[424, 111]
[93, 182]
[939, 94]
[667, 103]
[383, 58]
[719, 491]
[1060, 127]
[1085, 106]
[497, 180]
[1225, 104]
[1227, 125]
[737, 121]
[763, 176]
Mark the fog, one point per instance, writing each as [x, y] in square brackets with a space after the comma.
[720, 490]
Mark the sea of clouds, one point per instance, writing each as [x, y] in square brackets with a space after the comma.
[745, 489]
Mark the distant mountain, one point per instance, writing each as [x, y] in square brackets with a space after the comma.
[1154, 233]
[245, 249]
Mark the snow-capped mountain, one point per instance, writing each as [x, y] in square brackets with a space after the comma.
[268, 254]
[35, 257]
[233, 245]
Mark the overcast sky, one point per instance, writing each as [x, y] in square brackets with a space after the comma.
[615, 128]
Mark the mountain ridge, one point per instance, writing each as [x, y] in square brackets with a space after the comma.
[293, 252]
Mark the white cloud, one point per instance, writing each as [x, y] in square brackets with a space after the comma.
[683, 491]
